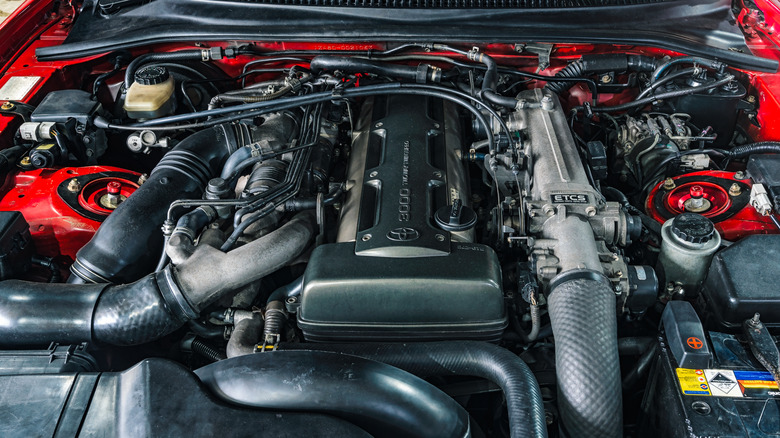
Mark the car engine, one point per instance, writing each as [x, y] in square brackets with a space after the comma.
[428, 240]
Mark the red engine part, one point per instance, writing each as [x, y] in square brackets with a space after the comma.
[717, 195]
[65, 207]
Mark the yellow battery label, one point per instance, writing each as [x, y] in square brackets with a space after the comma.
[693, 382]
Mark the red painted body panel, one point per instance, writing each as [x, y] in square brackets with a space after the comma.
[732, 219]
[56, 227]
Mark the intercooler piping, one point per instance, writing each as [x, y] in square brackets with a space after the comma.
[150, 308]
[461, 358]
[120, 250]
[383, 400]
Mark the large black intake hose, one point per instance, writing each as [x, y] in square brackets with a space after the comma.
[127, 245]
[582, 313]
[462, 358]
[593, 64]
[382, 399]
[149, 308]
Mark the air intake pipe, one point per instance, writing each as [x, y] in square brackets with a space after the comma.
[461, 358]
[149, 308]
[582, 313]
[182, 173]
[383, 400]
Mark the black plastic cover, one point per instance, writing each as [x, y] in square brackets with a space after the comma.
[455, 296]
[16, 245]
[61, 105]
[156, 398]
[56, 359]
[742, 281]
[685, 335]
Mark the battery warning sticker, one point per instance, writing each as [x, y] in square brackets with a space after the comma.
[727, 383]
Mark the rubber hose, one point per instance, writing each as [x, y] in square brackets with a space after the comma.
[763, 147]
[205, 331]
[275, 320]
[666, 95]
[383, 400]
[183, 55]
[48, 263]
[150, 308]
[220, 98]
[665, 79]
[181, 174]
[593, 64]
[276, 132]
[461, 358]
[582, 313]
[716, 65]
[246, 334]
[641, 366]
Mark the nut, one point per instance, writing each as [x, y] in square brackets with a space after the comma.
[7, 106]
[669, 184]
[740, 175]
[590, 210]
[74, 185]
[735, 190]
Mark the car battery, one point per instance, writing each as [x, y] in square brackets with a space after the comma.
[732, 396]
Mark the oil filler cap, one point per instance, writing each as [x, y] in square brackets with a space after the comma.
[455, 217]
[152, 75]
[685, 335]
[693, 228]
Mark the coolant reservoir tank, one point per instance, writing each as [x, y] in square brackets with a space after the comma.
[688, 242]
[151, 94]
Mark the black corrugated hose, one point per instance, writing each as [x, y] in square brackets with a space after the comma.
[762, 147]
[593, 64]
[461, 358]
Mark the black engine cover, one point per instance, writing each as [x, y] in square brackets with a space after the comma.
[396, 275]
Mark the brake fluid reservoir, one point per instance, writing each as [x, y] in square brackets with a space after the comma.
[151, 94]
[688, 242]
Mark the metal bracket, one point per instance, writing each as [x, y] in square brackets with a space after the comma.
[762, 345]
[543, 50]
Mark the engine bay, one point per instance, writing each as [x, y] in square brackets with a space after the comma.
[395, 239]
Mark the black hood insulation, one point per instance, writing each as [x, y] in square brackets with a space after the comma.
[705, 28]
[452, 4]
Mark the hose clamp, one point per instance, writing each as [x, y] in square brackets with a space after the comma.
[578, 274]
[173, 296]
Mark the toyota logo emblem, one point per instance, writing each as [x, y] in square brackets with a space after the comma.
[403, 234]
